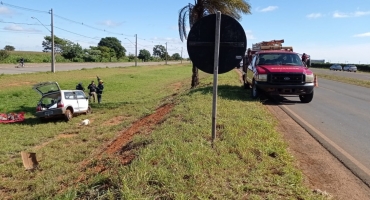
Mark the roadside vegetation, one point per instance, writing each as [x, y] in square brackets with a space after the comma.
[167, 157]
[109, 49]
[352, 81]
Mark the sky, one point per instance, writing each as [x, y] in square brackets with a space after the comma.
[337, 31]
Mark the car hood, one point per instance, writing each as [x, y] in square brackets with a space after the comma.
[46, 88]
[263, 69]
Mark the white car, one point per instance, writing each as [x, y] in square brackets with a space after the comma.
[55, 102]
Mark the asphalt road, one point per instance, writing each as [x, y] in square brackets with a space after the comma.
[45, 67]
[340, 115]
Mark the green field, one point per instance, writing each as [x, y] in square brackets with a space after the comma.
[31, 57]
[172, 156]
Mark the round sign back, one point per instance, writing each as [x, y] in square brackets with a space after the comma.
[201, 43]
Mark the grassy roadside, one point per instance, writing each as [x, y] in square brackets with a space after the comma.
[352, 81]
[249, 158]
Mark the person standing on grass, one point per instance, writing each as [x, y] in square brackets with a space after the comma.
[79, 86]
[92, 91]
[100, 89]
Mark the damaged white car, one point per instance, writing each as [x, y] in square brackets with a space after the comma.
[55, 102]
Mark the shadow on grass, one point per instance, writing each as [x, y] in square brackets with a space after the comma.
[239, 93]
[230, 92]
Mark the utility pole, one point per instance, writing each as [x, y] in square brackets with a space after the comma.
[166, 53]
[52, 44]
[136, 51]
[181, 55]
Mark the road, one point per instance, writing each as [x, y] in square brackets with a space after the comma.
[339, 118]
[45, 67]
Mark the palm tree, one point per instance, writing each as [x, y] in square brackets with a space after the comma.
[201, 8]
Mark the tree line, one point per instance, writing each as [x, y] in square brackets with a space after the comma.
[109, 49]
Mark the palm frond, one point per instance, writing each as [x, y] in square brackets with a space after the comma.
[182, 22]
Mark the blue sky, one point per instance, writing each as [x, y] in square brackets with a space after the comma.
[337, 31]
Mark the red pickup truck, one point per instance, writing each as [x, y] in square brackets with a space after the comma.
[276, 70]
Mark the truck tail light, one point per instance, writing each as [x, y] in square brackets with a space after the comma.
[38, 108]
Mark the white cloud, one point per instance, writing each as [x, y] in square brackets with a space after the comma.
[4, 11]
[338, 14]
[268, 9]
[15, 27]
[249, 35]
[362, 35]
[110, 23]
[314, 15]
[361, 13]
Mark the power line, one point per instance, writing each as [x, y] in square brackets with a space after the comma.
[22, 8]
[20, 23]
[81, 23]
[76, 33]
[23, 31]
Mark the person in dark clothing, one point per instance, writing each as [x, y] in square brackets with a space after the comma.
[92, 90]
[100, 89]
[79, 86]
[21, 61]
[304, 57]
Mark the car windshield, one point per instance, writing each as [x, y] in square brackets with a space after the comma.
[279, 59]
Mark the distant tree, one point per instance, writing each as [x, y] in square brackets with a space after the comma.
[92, 55]
[114, 44]
[176, 56]
[159, 50]
[144, 55]
[106, 52]
[131, 57]
[71, 50]
[4, 54]
[59, 43]
[9, 48]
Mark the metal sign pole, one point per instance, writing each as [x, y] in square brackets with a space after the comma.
[215, 74]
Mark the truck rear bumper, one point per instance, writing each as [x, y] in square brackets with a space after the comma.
[306, 88]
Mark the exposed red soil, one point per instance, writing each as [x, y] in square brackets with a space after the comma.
[143, 125]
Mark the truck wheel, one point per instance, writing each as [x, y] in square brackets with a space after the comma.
[306, 98]
[254, 91]
[68, 115]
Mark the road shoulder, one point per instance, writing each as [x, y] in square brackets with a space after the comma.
[322, 171]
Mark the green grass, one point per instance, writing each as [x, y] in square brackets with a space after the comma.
[249, 157]
[352, 81]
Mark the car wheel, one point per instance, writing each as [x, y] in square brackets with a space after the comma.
[68, 115]
[88, 111]
[255, 91]
[306, 98]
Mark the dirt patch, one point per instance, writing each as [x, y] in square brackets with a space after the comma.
[146, 124]
[114, 121]
[177, 86]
